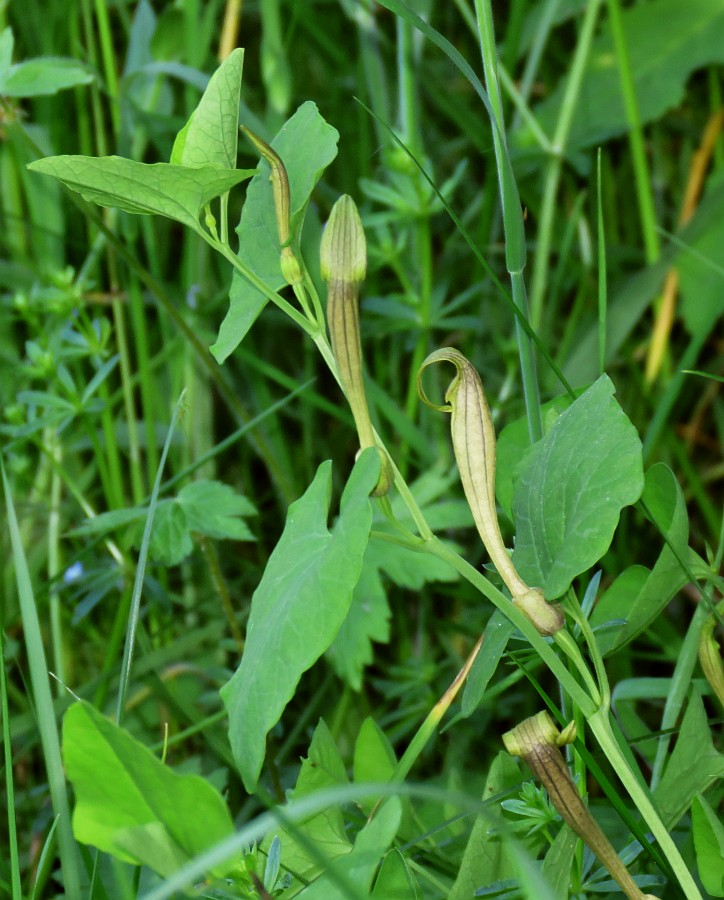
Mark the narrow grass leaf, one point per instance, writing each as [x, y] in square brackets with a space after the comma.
[210, 136]
[571, 488]
[298, 608]
[131, 805]
[135, 609]
[177, 192]
[43, 700]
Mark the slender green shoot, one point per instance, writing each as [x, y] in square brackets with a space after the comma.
[43, 699]
[135, 609]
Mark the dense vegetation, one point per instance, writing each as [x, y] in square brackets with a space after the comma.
[245, 655]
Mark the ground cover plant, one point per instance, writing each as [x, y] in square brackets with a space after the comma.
[362, 449]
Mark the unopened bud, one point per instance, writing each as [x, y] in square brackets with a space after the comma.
[343, 250]
[291, 270]
[343, 263]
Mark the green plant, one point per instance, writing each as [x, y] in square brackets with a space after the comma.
[565, 476]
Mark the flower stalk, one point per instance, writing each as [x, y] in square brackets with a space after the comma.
[537, 741]
[473, 437]
[343, 259]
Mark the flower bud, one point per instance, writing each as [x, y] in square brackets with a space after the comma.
[343, 264]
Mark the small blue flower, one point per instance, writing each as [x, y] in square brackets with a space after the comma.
[73, 573]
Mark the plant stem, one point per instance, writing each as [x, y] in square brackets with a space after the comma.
[544, 650]
[601, 727]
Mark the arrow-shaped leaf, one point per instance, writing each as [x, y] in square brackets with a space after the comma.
[163, 189]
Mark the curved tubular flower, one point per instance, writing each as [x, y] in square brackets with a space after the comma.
[537, 741]
[473, 437]
[343, 259]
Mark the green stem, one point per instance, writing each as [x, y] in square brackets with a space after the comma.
[601, 727]
[541, 264]
[544, 650]
[642, 176]
[433, 719]
[149, 397]
[109, 61]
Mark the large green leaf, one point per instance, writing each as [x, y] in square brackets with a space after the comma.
[210, 136]
[666, 41]
[396, 879]
[571, 488]
[131, 805]
[638, 595]
[210, 508]
[37, 77]
[306, 145]
[41, 77]
[485, 861]
[512, 445]
[367, 621]
[324, 831]
[701, 276]
[693, 767]
[177, 192]
[299, 606]
[374, 759]
[358, 867]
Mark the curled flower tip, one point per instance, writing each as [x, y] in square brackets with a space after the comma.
[473, 438]
[537, 741]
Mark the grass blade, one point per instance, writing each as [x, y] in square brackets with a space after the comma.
[43, 701]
